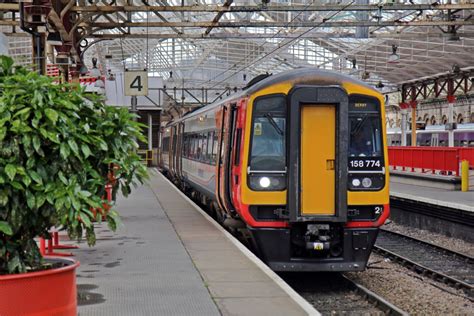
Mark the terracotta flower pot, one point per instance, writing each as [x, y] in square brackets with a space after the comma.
[44, 293]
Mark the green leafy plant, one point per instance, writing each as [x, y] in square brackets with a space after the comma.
[56, 148]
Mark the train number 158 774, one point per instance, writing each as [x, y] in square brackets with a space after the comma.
[369, 163]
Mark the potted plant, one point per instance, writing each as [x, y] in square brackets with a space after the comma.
[55, 153]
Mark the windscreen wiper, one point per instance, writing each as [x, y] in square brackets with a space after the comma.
[359, 124]
[273, 123]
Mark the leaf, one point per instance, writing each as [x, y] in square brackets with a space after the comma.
[86, 150]
[17, 185]
[52, 115]
[35, 176]
[63, 178]
[10, 170]
[64, 150]
[3, 198]
[22, 111]
[36, 143]
[5, 228]
[73, 145]
[85, 219]
[30, 200]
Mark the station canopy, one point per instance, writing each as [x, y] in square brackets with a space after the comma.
[212, 44]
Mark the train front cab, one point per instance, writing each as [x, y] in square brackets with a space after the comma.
[325, 217]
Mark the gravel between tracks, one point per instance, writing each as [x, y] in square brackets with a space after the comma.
[410, 291]
[435, 238]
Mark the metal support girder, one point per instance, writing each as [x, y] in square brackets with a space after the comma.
[448, 85]
[284, 8]
[218, 16]
[160, 16]
[262, 24]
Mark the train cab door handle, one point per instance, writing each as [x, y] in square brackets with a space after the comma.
[330, 164]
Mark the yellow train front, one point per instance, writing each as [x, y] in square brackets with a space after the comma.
[299, 159]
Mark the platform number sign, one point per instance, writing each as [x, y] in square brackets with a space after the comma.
[136, 83]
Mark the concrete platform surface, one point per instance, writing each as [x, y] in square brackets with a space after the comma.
[442, 197]
[169, 259]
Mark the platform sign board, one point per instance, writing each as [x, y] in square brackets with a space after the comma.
[115, 92]
[136, 83]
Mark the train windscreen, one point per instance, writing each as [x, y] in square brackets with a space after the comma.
[365, 135]
[268, 149]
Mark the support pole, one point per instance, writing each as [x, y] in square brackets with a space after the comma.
[413, 126]
[451, 101]
[465, 176]
[404, 127]
[150, 131]
[413, 105]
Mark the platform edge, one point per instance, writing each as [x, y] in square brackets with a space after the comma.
[298, 299]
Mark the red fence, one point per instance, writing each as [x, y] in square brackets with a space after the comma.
[430, 159]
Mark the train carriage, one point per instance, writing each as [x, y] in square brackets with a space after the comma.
[298, 159]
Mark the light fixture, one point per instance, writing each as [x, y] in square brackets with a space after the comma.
[264, 182]
[393, 57]
[365, 75]
[456, 69]
[95, 72]
[355, 182]
[366, 182]
[354, 63]
[54, 38]
[380, 85]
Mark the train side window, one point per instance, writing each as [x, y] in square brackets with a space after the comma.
[209, 146]
[215, 147]
[199, 147]
[204, 147]
[193, 146]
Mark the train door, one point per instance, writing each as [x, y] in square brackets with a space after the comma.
[224, 157]
[318, 126]
[318, 132]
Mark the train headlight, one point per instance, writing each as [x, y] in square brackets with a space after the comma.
[355, 182]
[264, 182]
[267, 182]
[366, 182]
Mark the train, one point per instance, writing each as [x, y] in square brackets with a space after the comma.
[434, 135]
[296, 161]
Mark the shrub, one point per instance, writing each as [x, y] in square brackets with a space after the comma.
[56, 147]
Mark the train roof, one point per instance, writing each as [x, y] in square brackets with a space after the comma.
[308, 76]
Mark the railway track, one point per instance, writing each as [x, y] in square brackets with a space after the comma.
[450, 267]
[336, 294]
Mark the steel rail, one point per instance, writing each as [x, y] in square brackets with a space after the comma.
[423, 268]
[375, 299]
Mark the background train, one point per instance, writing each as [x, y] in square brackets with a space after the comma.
[434, 135]
[297, 161]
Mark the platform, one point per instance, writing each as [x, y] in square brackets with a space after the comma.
[437, 196]
[168, 258]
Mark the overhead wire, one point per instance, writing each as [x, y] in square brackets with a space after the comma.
[261, 45]
[284, 45]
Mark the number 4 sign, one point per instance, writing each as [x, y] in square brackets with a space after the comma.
[136, 83]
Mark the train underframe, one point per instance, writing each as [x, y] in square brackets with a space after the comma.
[314, 247]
